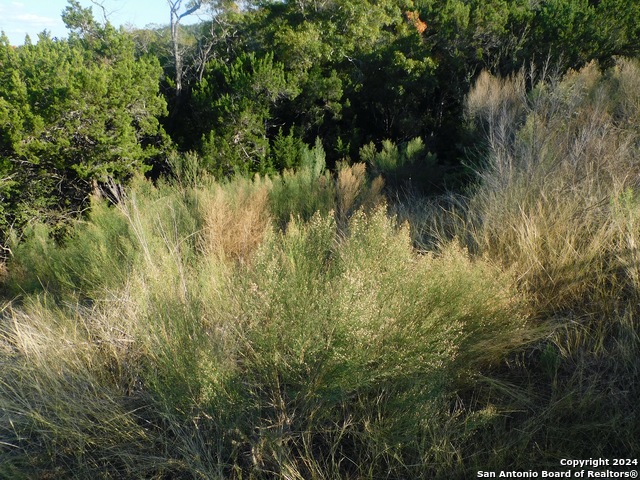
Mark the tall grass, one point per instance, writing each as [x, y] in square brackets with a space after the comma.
[556, 206]
[557, 173]
[188, 332]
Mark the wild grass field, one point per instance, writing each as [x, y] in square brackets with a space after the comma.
[305, 326]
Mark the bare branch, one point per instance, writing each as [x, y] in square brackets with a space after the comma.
[105, 15]
[196, 6]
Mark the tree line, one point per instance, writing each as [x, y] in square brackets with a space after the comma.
[247, 89]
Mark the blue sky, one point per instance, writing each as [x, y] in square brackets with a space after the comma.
[21, 17]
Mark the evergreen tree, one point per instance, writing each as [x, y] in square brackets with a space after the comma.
[74, 113]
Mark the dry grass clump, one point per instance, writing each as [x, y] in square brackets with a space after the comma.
[235, 219]
[352, 191]
[236, 215]
[557, 206]
[544, 207]
[497, 105]
[68, 401]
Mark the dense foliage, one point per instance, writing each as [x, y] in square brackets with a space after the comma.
[353, 72]
[257, 83]
[73, 113]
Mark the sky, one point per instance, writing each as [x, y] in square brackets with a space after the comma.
[21, 17]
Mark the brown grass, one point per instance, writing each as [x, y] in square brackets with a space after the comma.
[235, 220]
[559, 159]
[352, 191]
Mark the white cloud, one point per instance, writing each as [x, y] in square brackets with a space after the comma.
[17, 20]
[36, 20]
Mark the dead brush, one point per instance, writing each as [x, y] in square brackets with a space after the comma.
[352, 191]
[543, 209]
[235, 217]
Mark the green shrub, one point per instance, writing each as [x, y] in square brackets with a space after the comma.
[99, 254]
[360, 327]
[408, 166]
[303, 192]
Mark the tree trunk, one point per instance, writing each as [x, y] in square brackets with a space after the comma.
[176, 17]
